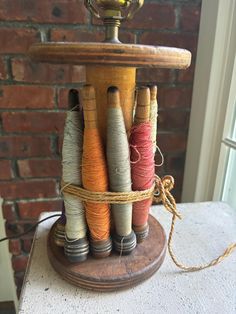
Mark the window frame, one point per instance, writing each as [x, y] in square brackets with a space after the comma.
[210, 101]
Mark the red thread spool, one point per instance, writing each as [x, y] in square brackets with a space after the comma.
[142, 162]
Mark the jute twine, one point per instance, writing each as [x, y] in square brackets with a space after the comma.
[160, 192]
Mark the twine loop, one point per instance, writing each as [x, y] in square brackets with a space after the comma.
[160, 192]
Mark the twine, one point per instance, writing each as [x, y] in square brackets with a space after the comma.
[163, 186]
[160, 192]
[106, 197]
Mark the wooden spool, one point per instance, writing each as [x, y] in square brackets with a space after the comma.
[114, 272]
[109, 64]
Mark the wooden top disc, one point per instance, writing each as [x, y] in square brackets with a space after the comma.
[114, 272]
[127, 55]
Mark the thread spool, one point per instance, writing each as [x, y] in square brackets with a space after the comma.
[118, 159]
[94, 177]
[142, 161]
[76, 246]
[59, 233]
[153, 115]
[142, 112]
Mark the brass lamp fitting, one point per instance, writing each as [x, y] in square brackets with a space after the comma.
[113, 12]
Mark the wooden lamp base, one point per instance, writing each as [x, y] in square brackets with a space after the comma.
[114, 272]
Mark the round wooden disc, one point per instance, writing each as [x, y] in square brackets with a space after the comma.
[114, 272]
[128, 55]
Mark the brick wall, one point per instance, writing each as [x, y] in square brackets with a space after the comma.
[33, 99]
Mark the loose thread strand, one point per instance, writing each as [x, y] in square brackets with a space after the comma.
[164, 186]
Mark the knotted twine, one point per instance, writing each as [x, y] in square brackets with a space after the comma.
[160, 192]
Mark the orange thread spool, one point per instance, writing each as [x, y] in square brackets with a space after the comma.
[94, 177]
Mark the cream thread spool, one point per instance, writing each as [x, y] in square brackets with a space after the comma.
[118, 159]
[76, 246]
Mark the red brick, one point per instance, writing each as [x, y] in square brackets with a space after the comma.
[52, 11]
[127, 37]
[19, 263]
[13, 228]
[27, 243]
[77, 35]
[149, 75]
[173, 120]
[28, 189]
[17, 40]
[31, 210]
[26, 71]
[190, 18]
[19, 278]
[172, 142]
[186, 76]
[15, 246]
[25, 146]
[25, 97]
[30, 168]
[35, 122]
[9, 212]
[179, 40]
[60, 143]
[174, 97]
[5, 170]
[63, 95]
[63, 98]
[152, 16]
[18, 227]
[3, 70]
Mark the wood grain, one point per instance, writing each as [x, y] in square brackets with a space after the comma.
[114, 272]
[128, 55]
[102, 77]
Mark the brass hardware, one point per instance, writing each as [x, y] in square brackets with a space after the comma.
[113, 12]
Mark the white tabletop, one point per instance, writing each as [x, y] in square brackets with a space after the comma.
[203, 234]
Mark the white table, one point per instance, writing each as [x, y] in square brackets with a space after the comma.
[206, 229]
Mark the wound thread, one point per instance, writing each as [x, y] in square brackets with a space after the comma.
[71, 173]
[142, 166]
[94, 171]
[118, 159]
[142, 172]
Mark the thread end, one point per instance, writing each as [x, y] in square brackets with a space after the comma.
[125, 244]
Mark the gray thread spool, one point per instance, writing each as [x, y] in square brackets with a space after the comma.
[76, 246]
[118, 159]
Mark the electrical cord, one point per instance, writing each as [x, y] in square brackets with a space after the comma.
[30, 229]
